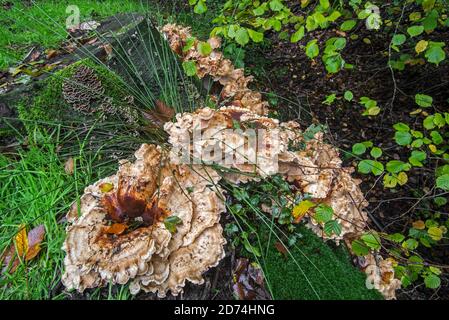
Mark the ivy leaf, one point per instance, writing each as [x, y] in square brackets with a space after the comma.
[241, 36]
[443, 182]
[171, 222]
[312, 49]
[298, 35]
[189, 44]
[423, 100]
[189, 68]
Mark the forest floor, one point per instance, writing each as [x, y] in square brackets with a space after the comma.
[297, 88]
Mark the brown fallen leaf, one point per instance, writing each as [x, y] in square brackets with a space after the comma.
[160, 114]
[281, 248]
[51, 53]
[249, 281]
[69, 166]
[24, 247]
[116, 228]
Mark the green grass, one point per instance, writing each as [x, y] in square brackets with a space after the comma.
[30, 26]
[35, 189]
[312, 270]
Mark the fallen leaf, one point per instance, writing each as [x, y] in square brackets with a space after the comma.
[25, 246]
[35, 238]
[116, 228]
[21, 240]
[106, 187]
[281, 248]
[69, 166]
[51, 53]
[419, 224]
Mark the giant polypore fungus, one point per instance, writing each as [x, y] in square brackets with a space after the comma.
[140, 196]
[143, 195]
[233, 81]
[315, 170]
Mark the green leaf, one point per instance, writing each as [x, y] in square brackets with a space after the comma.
[255, 36]
[348, 95]
[423, 100]
[200, 7]
[298, 35]
[410, 244]
[435, 53]
[324, 4]
[348, 25]
[415, 30]
[402, 138]
[377, 168]
[204, 48]
[359, 248]
[395, 237]
[400, 126]
[376, 152]
[398, 39]
[189, 68]
[276, 5]
[312, 49]
[331, 227]
[323, 213]
[443, 182]
[189, 44]
[365, 166]
[371, 240]
[428, 122]
[171, 222]
[432, 281]
[358, 148]
[396, 166]
[436, 137]
[241, 36]
[416, 158]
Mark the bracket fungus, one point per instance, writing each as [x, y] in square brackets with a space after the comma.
[140, 195]
[159, 186]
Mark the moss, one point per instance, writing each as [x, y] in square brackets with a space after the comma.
[48, 106]
[321, 271]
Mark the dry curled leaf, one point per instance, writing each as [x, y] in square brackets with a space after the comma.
[116, 228]
[249, 281]
[69, 166]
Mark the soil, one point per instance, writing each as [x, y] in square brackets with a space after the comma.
[305, 83]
